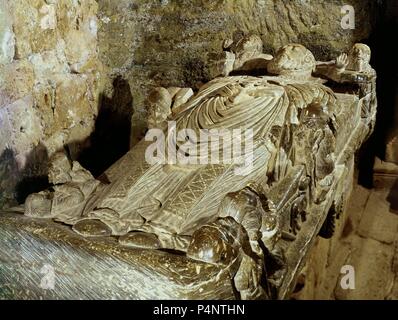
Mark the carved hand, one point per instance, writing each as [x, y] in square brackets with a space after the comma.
[342, 61]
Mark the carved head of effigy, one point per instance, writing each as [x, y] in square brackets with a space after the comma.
[293, 61]
[248, 44]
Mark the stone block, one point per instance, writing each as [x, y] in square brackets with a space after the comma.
[23, 129]
[71, 102]
[26, 18]
[355, 209]
[81, 51]
[16, 81]
[77, 15]
[378, 222]
[50, 63]
[372, 262]
[5, 129]
[7, 37]
[44, 95]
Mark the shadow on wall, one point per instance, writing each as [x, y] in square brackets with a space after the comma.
[17, 184]
[34, 175]
[111, 137]
[8, 175]
[384, 60]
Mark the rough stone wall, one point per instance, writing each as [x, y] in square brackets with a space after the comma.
[170, 42]
[49, 80]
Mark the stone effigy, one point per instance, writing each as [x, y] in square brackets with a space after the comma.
[251, 226]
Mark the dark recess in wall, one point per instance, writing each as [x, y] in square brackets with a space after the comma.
[32, 178]
[111, 137]
[384, 60]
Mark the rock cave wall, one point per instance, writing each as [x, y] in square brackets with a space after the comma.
[49, 85]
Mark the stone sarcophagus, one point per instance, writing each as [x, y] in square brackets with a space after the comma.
[181, 217]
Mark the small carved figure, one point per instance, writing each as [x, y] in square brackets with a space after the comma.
[243, 55]
[159, 107]
[354, 68]
[358, 59]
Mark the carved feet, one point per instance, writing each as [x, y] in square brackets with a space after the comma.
[141, 240]
[72, 185]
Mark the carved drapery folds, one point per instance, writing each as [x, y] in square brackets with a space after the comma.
[307, 120]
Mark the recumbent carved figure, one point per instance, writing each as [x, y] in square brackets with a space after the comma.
[207, 211]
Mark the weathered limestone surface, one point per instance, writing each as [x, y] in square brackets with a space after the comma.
[7, 40]
[170, 43]
[378, 223]
[49, 75]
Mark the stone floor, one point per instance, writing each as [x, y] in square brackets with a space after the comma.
[367, 239]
